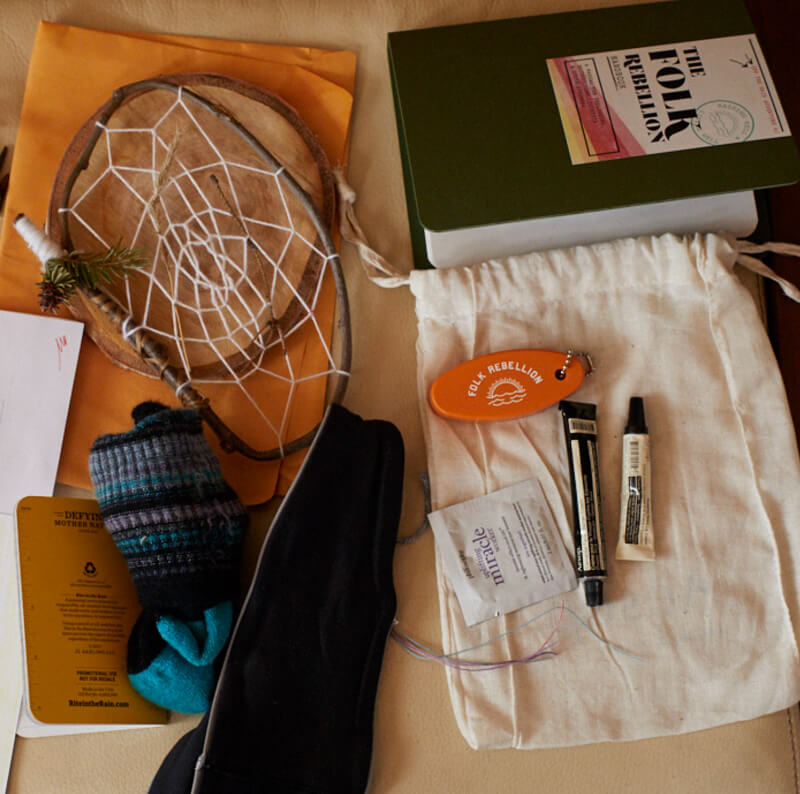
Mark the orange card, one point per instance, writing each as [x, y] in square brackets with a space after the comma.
[79, 605]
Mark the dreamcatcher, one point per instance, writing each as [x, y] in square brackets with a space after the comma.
[226, 196]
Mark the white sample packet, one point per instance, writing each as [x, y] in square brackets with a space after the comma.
[502, 551]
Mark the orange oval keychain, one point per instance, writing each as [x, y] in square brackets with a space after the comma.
[508, 384]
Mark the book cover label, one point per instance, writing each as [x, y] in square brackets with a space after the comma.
[79, 605]
[665, 98]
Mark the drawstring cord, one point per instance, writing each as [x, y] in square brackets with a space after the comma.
[746, 249]
[378, 269]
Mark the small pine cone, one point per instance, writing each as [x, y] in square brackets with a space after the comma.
[50, 296]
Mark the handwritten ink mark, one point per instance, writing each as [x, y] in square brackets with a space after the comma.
[61, 343]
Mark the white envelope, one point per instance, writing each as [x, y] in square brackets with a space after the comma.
[38, 357]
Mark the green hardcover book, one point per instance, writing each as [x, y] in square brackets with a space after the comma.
[571, 128]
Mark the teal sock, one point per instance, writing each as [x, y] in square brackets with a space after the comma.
[171, 661]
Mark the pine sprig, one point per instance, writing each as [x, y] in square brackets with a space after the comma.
[80, 270]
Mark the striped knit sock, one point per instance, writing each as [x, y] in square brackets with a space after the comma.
[179, 525]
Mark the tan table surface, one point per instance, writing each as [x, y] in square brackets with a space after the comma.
[418, 747]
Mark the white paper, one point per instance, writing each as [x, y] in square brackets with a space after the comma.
[502, 551]
[10, 647]
[38, 357]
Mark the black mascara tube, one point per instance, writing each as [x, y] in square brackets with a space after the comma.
[580, 430]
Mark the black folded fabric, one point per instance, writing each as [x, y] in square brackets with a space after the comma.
[293, 710]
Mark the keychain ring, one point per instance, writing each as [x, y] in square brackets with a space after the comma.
[586, 361]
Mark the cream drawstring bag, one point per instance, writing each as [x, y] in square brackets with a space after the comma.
[712, 621]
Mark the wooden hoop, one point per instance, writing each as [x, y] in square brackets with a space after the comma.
[107, 319]
[224, 99]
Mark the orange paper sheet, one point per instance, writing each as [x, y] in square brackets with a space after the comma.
[72, 72]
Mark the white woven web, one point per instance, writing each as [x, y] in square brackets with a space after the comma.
[218, 262]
